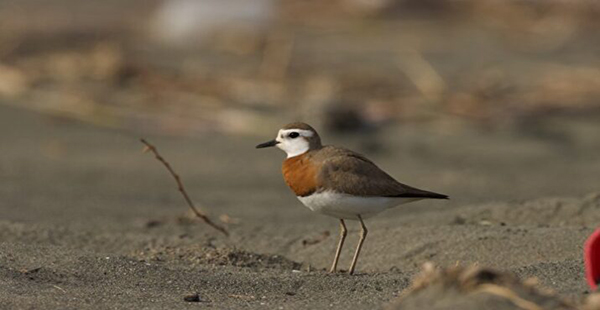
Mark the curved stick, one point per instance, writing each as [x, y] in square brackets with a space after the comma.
[204, 217]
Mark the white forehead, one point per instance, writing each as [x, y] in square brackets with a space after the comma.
[302, 132]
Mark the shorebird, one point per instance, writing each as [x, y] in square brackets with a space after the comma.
[338, 182]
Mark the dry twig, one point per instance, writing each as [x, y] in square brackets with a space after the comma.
[204, 217]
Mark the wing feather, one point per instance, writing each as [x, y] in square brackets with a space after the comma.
[353, 174]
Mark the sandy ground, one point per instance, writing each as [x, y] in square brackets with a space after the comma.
[88, 221]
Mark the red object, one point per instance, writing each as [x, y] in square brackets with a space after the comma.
[592, 259]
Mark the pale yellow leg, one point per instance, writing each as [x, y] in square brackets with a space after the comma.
[363, 235]
[343, 233]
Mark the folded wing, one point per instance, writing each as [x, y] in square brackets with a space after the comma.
[353, 174]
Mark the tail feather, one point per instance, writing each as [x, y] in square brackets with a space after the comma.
[429, 195]
[419, 193]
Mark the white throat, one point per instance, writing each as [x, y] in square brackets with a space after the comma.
[295, 150]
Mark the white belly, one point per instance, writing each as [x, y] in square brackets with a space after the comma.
[346, 206]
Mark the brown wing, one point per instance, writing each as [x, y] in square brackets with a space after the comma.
[353, 174]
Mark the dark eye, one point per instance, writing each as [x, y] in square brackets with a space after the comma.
[294, 135]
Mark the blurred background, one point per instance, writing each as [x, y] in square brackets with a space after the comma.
[183, 67]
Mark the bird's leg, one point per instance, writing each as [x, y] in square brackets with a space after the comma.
[343, 233]
[363, 235]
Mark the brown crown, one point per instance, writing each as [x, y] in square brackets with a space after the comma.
[299, 125]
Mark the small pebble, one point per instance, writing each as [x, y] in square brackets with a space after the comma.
[192, 298]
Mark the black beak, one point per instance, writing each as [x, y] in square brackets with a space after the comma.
[267, 144]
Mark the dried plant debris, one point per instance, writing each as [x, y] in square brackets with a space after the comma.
[474, 288]
[592, 302]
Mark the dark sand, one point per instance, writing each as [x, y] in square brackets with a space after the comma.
[88, 221]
